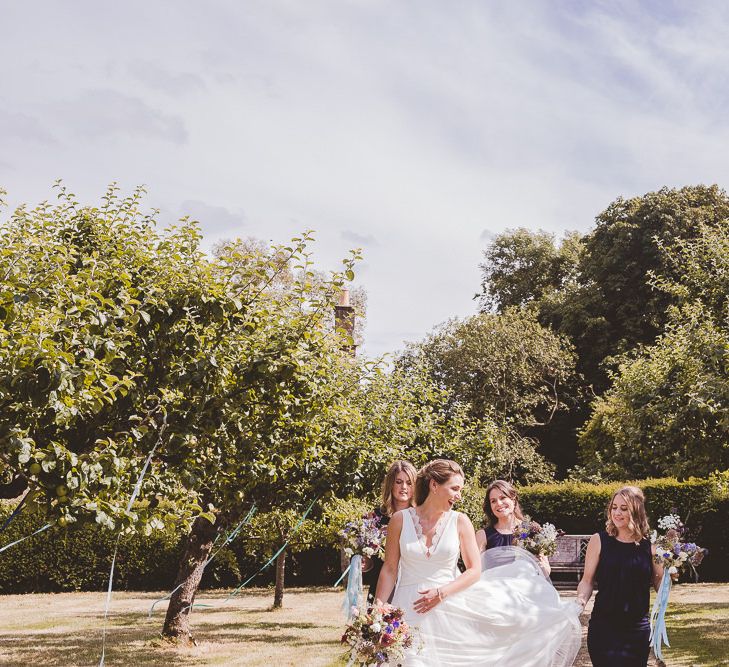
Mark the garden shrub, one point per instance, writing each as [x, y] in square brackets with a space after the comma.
[79, 559]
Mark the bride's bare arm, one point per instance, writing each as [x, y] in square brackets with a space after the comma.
[469, 554]
[472, 561]
[388, 573]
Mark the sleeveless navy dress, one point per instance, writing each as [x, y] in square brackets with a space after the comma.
[619, 630]
[496, 539]
[372, 575]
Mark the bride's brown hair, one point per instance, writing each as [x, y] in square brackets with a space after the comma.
[440, 470]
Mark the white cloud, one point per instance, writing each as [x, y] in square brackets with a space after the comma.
[215, 219]
[405, 127]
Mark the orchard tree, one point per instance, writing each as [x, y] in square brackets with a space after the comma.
[99, 316]
[120, 342]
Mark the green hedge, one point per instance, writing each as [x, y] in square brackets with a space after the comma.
[579, 508]
[79, 559]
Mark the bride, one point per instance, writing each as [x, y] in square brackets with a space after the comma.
[510, 615]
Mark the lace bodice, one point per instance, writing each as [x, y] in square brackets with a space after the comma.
[436, 563]
[419, 531]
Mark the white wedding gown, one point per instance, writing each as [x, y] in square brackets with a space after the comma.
[512, 617]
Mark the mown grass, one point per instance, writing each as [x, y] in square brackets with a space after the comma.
[698, 633]
[65, 629]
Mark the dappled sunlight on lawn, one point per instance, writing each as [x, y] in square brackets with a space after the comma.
[65, 629]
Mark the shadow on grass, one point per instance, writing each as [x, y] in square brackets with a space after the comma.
[124, 647]
[129, 640]
[699, 633]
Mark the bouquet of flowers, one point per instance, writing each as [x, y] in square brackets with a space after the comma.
[377, 636]
[364, 537]
[536, 539]
[675, 555]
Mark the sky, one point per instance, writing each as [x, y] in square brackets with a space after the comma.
[414, 129]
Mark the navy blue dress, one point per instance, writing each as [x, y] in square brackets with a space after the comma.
[496, 539]
[619, 631]
[372, 575]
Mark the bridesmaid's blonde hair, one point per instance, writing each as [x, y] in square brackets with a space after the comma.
[638, 523]
[440, 470]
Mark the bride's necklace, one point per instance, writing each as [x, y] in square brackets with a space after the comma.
[422, 539]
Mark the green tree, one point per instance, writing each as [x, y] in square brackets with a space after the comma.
[506, 366]
[668, 409]
[94, 309]
[597, 288]
[118, 340]
[521, 266]
[617, 307]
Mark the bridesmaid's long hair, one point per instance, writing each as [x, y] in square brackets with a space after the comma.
[638, 524]
[440, 470]
[387, 506]
[509, 490]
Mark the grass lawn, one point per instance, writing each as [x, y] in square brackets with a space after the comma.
[65, 629]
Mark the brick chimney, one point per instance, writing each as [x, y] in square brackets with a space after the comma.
[344, 320]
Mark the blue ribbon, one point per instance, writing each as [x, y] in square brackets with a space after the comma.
[27, 537]
[276, 555]
[230, 537]
[344, 574]
[353, 592]
[16, 511]
[132, 498]
[659, 636]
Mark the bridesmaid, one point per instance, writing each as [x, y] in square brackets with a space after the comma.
[501, 514]
[620, 559]
[398, 489]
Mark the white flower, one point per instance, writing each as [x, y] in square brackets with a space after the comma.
[672, 570]
[375, 627]
[368, 551]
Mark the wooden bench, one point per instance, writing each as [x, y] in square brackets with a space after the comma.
[569, 559]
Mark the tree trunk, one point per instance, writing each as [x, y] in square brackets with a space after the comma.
[199, 545]
[280, 574]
